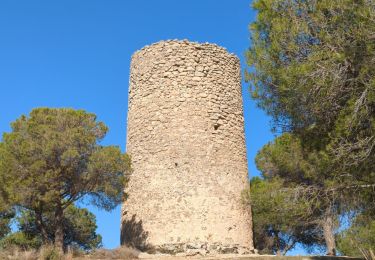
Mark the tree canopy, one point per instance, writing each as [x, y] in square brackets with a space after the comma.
[311, 71]
[313, 74]
[359, 237]
[281, 219]
[52, 158]
[302, 179]
[79, 228]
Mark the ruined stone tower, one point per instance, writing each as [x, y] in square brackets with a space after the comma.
[186, 138]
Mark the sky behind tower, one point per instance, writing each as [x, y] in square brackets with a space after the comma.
[77, 54]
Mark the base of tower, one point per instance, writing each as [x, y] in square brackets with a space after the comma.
[203, 249]
[244, 257]
[182, 256]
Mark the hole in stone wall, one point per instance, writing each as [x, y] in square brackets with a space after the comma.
[216, 127]
[175, 164]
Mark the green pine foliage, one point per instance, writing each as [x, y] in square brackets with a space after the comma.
[20, 240]
[53, 158]
[79, 227]
[313, 74]
[359, 239]
[311, 68]
[280, 218]
[6, 211]
[301, 174]
[5, 219]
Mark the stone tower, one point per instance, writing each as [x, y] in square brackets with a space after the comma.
[186, 138]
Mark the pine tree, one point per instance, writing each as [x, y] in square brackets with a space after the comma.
[53, 158]
[311, 71]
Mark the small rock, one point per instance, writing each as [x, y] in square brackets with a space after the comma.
[193, 252]
[199, 74]
[167, 74]
[199, 68]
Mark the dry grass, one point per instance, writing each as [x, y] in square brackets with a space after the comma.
[50, 253]
[16, 253]
[45, 253]
[118, 253]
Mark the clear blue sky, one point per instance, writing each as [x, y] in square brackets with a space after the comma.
[76, 54]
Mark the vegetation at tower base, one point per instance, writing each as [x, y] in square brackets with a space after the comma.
[299, 184]
[358, 237]
[312, 72]
[6, 211]
[5, 219]
[281, 220]
[51, 159]
[79, 227]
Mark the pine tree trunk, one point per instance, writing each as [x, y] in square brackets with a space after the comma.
[277, 240]
[40, 226]
[329, 237]
[59, 230]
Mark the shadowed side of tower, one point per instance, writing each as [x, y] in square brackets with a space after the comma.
[186, 138]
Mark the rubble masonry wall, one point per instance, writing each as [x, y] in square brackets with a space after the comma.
[185, 134]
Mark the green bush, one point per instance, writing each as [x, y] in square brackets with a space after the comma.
[20, 240]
